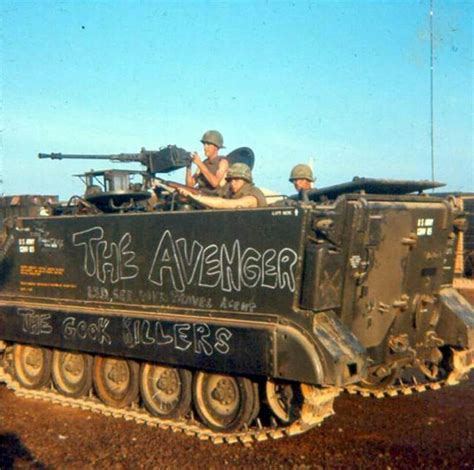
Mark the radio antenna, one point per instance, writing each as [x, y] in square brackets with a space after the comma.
[431, 93]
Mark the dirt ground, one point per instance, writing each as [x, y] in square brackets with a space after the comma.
[434, 429]
[431, 430]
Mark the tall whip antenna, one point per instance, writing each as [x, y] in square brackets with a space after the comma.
[431, 92]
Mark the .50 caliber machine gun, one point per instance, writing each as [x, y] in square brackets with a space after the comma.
[113, 190]
[165, 160]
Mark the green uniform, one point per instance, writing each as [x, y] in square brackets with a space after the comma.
[248, 190]
[213, 167]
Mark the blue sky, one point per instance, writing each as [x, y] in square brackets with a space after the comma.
[343, 84]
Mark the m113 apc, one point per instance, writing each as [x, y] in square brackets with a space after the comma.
[231, 325]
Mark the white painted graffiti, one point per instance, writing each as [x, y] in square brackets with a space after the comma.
[104, 260]
[34, 323]
[196, 301]
[199, 337]
[107, 295]
[73, 329]
[237, 305]
[218, 266]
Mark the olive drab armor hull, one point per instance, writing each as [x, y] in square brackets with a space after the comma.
[286, 305]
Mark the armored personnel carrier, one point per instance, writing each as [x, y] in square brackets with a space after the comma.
[230, 325]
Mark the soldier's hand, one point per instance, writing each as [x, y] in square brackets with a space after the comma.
[196, 158]
[183, 192]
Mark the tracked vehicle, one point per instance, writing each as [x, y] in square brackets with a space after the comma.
[231, 325]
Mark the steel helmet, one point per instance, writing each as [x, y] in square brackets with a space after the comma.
[213, 137]
[240, 170]
[301, 172]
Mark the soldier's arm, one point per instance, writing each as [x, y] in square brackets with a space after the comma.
[214, 180]
[221, 203]
[214, 202]
[190, 179]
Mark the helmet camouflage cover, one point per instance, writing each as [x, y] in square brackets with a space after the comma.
[301, 172]
[240, 170]
[213, 137]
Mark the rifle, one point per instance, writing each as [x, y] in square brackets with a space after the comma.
[171, 186]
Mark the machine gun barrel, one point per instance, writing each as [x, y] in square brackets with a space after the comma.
[169, 158]
[121, 157]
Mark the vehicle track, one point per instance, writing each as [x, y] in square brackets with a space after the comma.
[316, 407]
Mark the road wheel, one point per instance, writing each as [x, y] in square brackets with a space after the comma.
[166, 391]
[256, 403]
[285, 400]
[32, 365]
[116, 380]
[72, 373]
[224, 403]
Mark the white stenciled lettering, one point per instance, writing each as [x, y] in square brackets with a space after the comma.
[424, 227]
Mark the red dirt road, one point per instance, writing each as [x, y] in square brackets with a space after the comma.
[430, 430]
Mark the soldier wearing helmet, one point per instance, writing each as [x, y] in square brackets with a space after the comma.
[302, 177]
[240, 191]
[210, 174]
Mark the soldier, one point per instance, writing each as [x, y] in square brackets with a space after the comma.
[211, 172]
[302, 177]
[241, 192]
